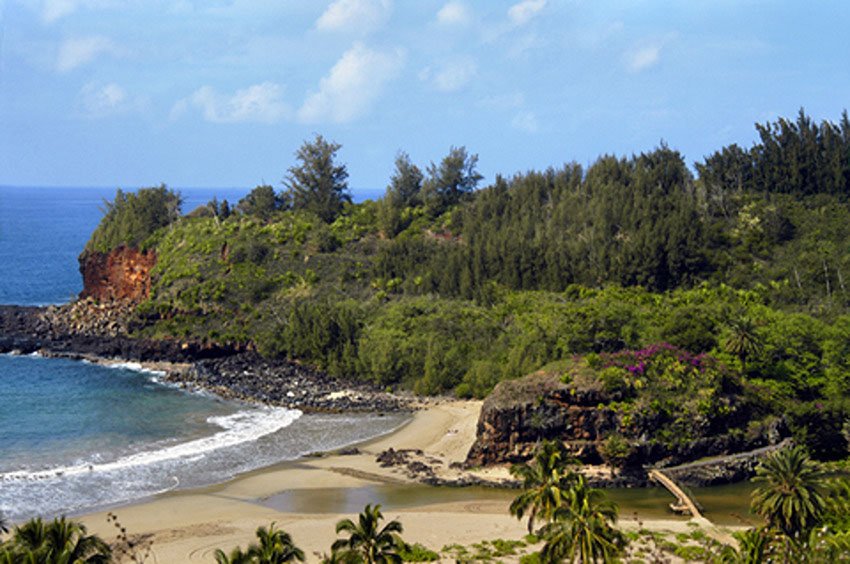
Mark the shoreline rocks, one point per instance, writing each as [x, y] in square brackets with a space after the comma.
[232, 372]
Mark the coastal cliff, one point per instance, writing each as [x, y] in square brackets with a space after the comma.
[122, 274]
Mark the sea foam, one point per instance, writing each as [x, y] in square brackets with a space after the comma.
[238, 428]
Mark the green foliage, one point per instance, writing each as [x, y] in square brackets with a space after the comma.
[546, 481]
[418, 553]
[582, 529]
[819, 426]
[131, 218]
[789, 496]
[796, 157]
[318, 184]
[442, 288]
[450, 181]
[403, 193]
[58, 541]
[373, 545]
[262, 202]
[616, 451]
[274, 547]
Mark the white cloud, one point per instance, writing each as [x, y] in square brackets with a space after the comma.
[525, 121]
[642, 58]
[522, 12]
[97, 100]
[259, 103]
[454, 13]
[352, 85]
[78, 51]
[450, 76]
[355, 15]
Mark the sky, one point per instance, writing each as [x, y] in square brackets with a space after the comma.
[221, 93]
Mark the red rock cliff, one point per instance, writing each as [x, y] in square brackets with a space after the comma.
[121, 274]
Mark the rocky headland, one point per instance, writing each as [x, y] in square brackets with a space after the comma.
[521, 413]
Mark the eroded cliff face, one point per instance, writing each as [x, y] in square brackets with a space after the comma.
[520, 413]
[123, 274]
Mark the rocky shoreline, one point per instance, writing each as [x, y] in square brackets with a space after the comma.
[238, 373]
[229, 371]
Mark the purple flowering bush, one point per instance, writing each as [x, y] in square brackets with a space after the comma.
[676, 394]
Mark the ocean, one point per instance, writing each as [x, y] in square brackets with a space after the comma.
[76, 436]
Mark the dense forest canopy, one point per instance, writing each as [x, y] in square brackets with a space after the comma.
[440, 286]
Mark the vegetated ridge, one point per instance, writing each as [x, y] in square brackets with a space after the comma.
[708, 307]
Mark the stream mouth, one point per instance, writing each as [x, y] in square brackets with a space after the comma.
[723, 505]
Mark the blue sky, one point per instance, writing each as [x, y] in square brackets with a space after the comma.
[222, 92]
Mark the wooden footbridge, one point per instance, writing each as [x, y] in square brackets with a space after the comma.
[684, 503]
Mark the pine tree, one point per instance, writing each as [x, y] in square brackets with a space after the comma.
[318, 184]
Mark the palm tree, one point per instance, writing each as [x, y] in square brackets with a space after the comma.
[60, 541]
[367, 541]
[544, 482]
[753, 547]
[789, 498]
[275, 547]
[236, 556]
[744, 342]
[582, 529]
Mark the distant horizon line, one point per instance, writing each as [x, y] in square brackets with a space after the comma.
[366, 192]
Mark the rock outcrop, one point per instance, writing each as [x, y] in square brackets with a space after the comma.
[123, 274]
[520, 413]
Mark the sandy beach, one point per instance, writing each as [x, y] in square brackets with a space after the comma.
[187, 526]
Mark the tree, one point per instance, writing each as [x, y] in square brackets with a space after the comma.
[275, 547]
[236, 556]
[131, 218]
[261, 202]
[59, 541]
[744, 342]
[789, 497]
[582, 529]
[318, 184]
[545, 482]
[4, 525]
[449, 182]
[403, 192]
[753, 545]
[371, 544]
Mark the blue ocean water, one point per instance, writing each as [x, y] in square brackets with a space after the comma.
[76, 436]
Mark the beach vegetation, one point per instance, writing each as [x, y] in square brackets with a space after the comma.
[367, 541]
[582, 528]
[789, 496]
[274, 546]
[54, 542]
[235, 556]
[545, 482]
[417, 552]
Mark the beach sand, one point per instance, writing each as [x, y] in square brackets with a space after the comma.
[187, 526]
